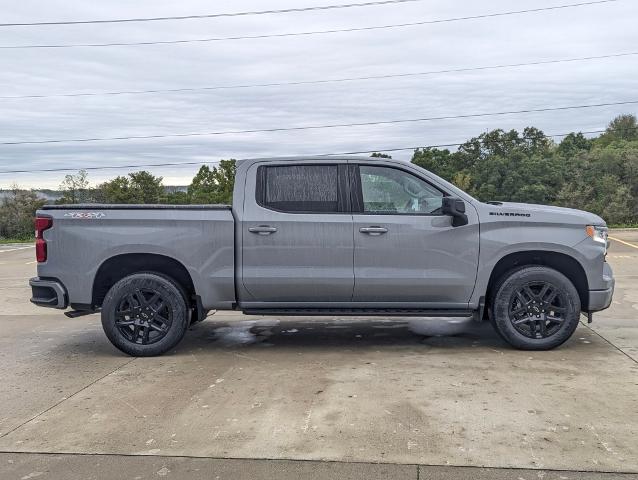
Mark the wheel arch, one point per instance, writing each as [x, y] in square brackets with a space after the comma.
[117, 267]
[563, 263]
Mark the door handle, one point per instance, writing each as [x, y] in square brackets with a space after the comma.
[373, 230]
[262, 229]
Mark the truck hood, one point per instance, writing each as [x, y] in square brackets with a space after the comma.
[543, 213]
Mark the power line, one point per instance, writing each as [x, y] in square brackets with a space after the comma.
[211, 15]
[330, 80]
[313, 127]
[315, 32]
[176, 164]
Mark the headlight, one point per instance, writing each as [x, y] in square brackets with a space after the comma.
[597, 234]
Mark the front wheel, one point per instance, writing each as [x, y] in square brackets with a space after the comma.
[535, 308]
[144, 314]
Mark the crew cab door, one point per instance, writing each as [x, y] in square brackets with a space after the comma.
[406, 251]
[297, 238]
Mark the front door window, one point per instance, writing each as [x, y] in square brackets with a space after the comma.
[393, 191]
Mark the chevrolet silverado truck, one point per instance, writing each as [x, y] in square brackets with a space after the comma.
[324, 236]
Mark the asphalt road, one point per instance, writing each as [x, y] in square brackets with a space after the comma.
[256, 397]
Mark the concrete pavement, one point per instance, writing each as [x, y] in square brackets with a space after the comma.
[26, 466]
[347, 394]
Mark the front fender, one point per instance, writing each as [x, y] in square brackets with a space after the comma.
[499, 241]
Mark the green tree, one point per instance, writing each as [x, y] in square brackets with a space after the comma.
[75, 188]
[213, 185]
[380, 155]
[137, 187]
[498, 165]
[203, 186]
[225, 177]
[503, 144]
[116, 191]
[623, 127]
[17, 211]
[145, 187]
[574, 143]
[440, 162]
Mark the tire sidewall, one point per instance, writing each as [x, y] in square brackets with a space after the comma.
[171, 294]
[517, 279]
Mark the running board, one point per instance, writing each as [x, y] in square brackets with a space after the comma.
[79, 313]
[362, 312]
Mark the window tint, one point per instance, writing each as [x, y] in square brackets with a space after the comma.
[390, 190]
[301, 188]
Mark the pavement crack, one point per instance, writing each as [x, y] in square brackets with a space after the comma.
[611, 343]
[48, 409]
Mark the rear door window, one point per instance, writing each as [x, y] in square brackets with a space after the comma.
[300, 188]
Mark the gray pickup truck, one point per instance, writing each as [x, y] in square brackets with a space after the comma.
[324, 236]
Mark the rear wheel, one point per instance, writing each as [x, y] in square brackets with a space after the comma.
[535, 308]
[145, 314]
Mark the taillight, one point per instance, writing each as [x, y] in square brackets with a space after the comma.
[41, 224]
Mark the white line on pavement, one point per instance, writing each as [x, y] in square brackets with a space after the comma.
[18, 248]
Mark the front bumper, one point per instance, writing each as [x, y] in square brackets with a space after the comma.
[601, 299]
[48, 293]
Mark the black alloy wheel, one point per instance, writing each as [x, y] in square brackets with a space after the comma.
[535, 308]
[145, 314]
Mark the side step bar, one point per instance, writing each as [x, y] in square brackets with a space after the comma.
[363, 312]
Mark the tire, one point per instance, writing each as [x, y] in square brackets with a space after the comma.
[145, 314]
[535, 308]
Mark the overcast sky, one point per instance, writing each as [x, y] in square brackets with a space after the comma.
[602, 29]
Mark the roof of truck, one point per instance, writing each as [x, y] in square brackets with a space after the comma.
[315, 158]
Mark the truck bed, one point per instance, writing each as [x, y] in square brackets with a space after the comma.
[84, 237]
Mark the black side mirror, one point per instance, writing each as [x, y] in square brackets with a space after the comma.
[455, 207]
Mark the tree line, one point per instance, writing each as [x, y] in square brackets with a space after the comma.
[597, 174]
[594, 174]
[209, 185]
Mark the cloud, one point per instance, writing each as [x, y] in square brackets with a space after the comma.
[591, 30]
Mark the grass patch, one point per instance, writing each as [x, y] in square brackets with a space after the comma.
[624, 225]
[4, 241]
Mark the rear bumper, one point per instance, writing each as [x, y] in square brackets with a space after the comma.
[601, 299]
[48, 293]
